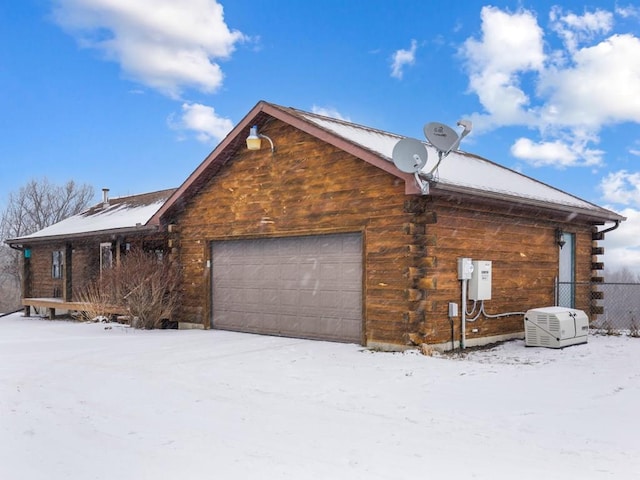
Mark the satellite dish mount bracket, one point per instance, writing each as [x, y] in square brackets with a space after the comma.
[410, 155]
[422, 182]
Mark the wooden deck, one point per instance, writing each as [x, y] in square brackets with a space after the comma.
[53, 304]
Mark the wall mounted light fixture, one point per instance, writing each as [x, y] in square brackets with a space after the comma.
[254, 139]
[560, 237]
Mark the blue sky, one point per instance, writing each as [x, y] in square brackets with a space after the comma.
[133, 95]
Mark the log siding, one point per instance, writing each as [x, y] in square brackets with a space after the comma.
[411, 242]
[306, 187]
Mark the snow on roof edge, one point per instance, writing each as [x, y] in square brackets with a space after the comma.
[373, 139]
[119, 215]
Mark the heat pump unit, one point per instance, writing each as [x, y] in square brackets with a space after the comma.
[555, 327]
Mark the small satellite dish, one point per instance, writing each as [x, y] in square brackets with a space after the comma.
[409, 155]
[440, 136]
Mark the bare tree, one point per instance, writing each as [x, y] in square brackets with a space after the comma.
[622, 275]
[33, 207]
[41, 203]
[9, 288]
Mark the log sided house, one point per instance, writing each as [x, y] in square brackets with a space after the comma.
[317, 234]
[60, 259]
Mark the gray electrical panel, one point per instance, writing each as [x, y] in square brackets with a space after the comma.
[480, 282]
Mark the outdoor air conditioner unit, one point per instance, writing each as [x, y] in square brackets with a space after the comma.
[555, 327]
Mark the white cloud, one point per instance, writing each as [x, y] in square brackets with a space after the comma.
[402, 58]
[576, 90]
[575, 29]
[163, 44]
[559, 153]
[544, 153]
[511, 44]
[622, 246]
[329, 112]
[629, 11]
[203, 121]
[621, 187]
[601, 87]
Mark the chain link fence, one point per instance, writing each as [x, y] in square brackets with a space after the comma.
[614, 308]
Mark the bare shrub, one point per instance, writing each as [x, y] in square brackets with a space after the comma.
[148, 286]
[98, 299]
[144, 286]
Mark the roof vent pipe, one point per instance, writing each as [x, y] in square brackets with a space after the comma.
[105, 197]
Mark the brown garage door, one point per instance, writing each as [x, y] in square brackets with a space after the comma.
[308, 287]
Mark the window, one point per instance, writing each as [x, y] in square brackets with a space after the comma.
[56, 264]
[106, 256]
[567, 272]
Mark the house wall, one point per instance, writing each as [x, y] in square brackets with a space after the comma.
[306, 187]
[84, 261]
[522, 248]
[41, 283]
[411, 243]
[85, 264]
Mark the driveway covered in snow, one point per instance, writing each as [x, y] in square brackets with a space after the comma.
[96, 401]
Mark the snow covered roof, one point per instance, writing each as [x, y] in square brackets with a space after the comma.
[463, 172]
[459, 174]
[121, 214]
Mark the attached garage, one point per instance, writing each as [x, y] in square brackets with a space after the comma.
[307, 286]
[317, 234]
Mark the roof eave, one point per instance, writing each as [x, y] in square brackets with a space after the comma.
[235, 140]
[82, 235]
[236, 137]
[596, 215]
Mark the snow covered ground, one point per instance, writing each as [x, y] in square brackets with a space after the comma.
[91, 401]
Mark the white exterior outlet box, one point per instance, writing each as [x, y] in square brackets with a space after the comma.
[453, 309]
[480, 282]
[465, 268]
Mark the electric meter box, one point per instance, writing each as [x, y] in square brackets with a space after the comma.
[480, 282]
[465, 268]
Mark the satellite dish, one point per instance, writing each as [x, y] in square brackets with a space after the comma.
[440, 136]
[409, 155]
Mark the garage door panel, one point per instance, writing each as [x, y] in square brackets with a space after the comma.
[267, 321]
[269, 297]
[330, 271]
[289, 271]
[307, 287]
[231, 296]
[309, 298]
[351, 272]
[352, 245]
[253, 271]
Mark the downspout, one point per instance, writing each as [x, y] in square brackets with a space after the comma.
[610, 229]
